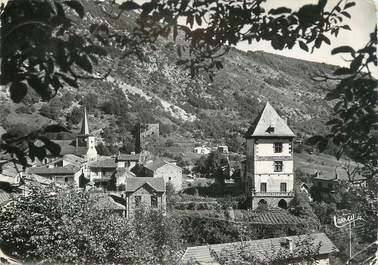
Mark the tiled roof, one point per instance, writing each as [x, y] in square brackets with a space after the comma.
[124, 171]
[341, 175]
[74, 159]
[158, 163]
[66, 170]
[128, 157]
[272, 217]
[38, 179]
[68, 147]
[261, 248]
[132, 184]
[268, 123]
[107, 202]
[107, 162]
[4, 197]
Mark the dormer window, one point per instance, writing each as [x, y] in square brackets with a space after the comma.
[270, 129]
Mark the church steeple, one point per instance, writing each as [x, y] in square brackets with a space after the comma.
[84, 124]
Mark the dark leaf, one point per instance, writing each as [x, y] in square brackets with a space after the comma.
[346, 27]
[334, 121]
[147, 8]
[342, 71]
[75, 5]
[356, 63]
[18, 91]
[70, 81]
[51, 146]
[95, 50]
[189, 20]
[350, 4]
[129, 5]
[314, 139]
[84, 63]
[322, 145]
[303, 46]
[32, 150]
[40, 153]
[325, 39]
[55, 128]
[331, 96]
[280, 10]
[346, 14]
[199, 20]
[343, 49]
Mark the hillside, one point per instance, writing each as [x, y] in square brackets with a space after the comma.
[155, 89]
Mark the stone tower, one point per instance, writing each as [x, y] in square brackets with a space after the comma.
[85, 139]
[269, 169]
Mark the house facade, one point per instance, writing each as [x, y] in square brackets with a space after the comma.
[202, 150]
[269, 164]
[101, 173]
[170, 172]
[327, 184]
[144, 192]
[127, 160]
[68, 174]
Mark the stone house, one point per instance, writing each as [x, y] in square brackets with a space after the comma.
[170, 172]
[127, 160]
[144, 192]
[202, 150]
[69, 174]
[327, 183]
[268, 249]
[101, 173]
[269, 174]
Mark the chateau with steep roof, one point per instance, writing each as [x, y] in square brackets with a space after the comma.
[269, 169]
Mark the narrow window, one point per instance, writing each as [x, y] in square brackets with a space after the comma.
[263, 187]
[278, 147]
[277, 166]
[169, 178]
[154, 201]
[138, 200]
[283, 187]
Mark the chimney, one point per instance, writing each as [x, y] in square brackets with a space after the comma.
[289, 244]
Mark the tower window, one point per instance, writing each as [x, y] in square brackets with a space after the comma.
[263, 187]
[277, 147]
[278, 166]
[283, 187]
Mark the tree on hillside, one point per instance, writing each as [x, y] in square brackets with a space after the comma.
[76, 115]
[215, 165]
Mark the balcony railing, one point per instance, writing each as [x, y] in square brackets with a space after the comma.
[273, 194]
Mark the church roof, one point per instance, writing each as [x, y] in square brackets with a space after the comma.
[84, 124]
[269, 124]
